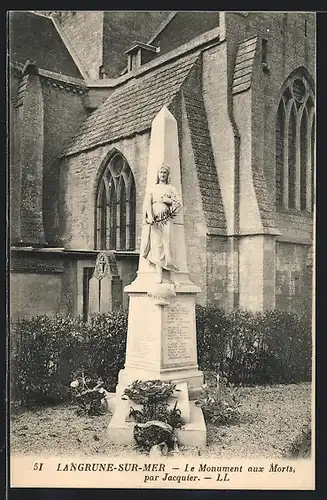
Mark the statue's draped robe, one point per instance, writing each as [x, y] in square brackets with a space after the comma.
[158, 247]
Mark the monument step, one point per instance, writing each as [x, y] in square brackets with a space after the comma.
[193, 433]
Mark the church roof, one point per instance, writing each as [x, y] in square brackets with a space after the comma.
[132, 107]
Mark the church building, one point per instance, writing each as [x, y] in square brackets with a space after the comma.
[84, 88]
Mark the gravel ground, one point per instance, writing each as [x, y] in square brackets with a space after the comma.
[272, 418]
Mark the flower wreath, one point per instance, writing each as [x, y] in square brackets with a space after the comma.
[171, 210]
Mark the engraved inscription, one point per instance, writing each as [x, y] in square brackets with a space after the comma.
[144, 334]
[179, 343]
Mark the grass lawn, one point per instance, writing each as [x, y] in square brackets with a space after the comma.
[272, 420]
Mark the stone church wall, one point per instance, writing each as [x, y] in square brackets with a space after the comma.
[84, 30]
[63, 114]
[290, 45]
[293, 277]
[184, 27]
[101, 38]
[35, 283]
[80, 176]
[34, 294]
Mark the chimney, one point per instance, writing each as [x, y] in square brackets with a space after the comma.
[139, 54]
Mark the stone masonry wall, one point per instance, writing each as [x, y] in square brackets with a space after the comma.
[15, 172]
[215, 93]
[35, 283]
[194, 220]
[217, 271]
[31, 147]
[63, 114]
[184, 27]
[290, 44]
[213, 273]
[120, 30]
[84, 30]
[100, 38]
[293, 278]
[215, 87]
[35, 38]
[249, 212]
[80, 176]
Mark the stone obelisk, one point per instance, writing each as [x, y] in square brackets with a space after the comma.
[161, 339]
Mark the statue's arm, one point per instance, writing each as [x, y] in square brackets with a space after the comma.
[148, 209]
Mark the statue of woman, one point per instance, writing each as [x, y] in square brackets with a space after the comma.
[162, 203]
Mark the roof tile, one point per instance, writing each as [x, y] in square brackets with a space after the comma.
[131, 108]
[243, 65]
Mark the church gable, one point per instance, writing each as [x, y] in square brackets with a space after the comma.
[35, 38]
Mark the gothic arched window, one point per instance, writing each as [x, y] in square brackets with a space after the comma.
[115, 229]
[295, 145]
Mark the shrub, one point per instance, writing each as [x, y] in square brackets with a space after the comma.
[212, 327]
[50, 350]
[220, 400]
[254, 348]
[107, 334]
[288, 340]
[88, 394]
[248, 348]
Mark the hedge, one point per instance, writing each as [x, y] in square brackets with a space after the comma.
[255, 348]
[49, 351]
[249, 348]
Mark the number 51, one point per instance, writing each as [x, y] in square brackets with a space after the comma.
[37, 466]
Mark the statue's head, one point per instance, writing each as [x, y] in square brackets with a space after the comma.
[163, 174]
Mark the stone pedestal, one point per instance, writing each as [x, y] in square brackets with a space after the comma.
[161, 341]
[161, 345]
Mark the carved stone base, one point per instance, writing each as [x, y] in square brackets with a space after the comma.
[193, 433]
[161, 339]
